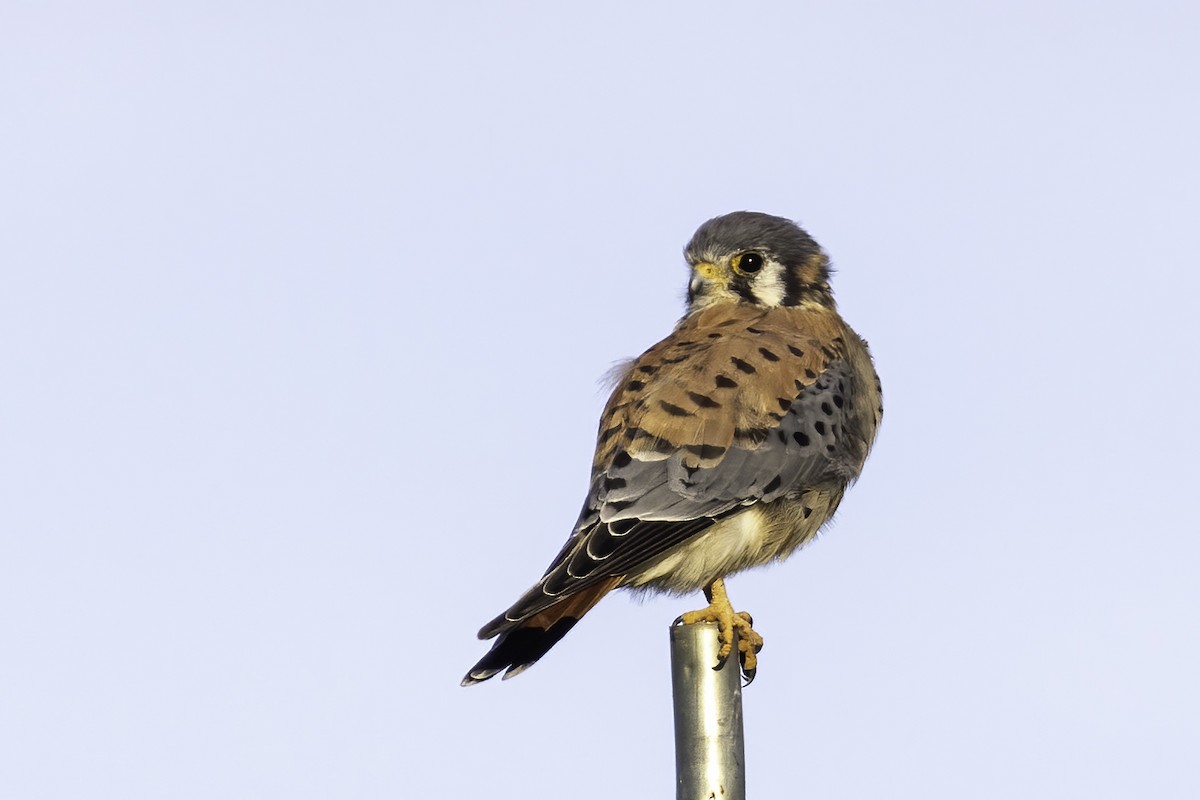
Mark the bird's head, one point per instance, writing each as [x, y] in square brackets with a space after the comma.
[750, 257]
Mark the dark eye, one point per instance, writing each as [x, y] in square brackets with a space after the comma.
[749, 263]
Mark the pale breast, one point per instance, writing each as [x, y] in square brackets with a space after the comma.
[751, 538]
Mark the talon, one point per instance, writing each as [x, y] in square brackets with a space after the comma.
[729, 622]
[748, 655]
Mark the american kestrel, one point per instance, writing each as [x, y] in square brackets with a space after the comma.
[725, 446]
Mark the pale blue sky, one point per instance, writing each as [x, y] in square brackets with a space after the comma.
[302, 309]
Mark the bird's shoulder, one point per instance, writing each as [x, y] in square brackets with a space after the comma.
[725, 376]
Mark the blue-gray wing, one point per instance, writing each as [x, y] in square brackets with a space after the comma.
[651, 495]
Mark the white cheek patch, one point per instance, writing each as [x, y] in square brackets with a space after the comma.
[769, 288]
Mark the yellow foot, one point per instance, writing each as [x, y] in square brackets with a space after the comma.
[720, 611]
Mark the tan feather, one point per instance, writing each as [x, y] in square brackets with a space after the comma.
[725, 376]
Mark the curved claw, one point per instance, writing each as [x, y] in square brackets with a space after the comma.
[733, 626]
[747, 660]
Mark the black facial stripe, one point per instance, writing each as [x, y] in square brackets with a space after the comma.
[792, 288]
[742, 286]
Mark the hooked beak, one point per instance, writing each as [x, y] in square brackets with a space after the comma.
[707, 283]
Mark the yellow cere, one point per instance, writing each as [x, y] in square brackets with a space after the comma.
[711, 272]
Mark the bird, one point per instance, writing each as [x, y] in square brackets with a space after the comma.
[725, 446]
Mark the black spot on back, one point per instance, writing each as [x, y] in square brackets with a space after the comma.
[767, 354]
[640, 435]
[673, 410]
[743, 366]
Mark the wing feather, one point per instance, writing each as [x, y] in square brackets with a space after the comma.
[739, 405]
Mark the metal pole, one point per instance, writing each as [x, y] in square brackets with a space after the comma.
[710, 751]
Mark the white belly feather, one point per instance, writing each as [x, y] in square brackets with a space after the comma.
[734, 543]
[759, 534]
